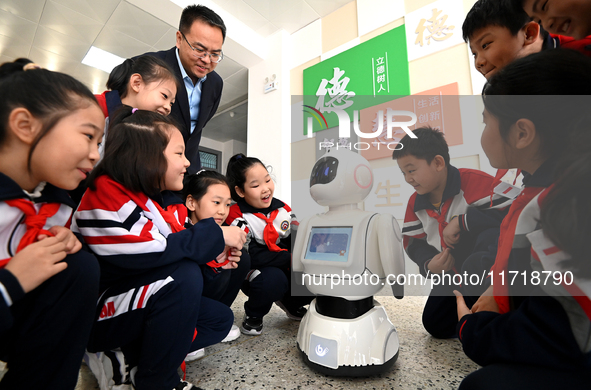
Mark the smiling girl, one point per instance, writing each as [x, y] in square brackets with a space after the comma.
[268, 221]
[151, 305]
[50, 127]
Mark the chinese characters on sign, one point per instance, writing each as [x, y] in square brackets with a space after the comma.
[388, 194]
[337, 93]
[381, 81]
[436, 28]
[429, 111]
[438, 108]
[433, 28]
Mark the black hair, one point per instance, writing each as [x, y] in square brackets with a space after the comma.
[48, 96]
[428, 144]
[18, 65]
[566, 212]
[150, 68]
[197, 184]
[543, 77]
[502, 13]
[236, 172]
[193, 13]
[134, 151]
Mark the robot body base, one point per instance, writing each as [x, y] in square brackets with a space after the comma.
[362, 346]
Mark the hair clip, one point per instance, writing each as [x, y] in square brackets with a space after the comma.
[134, 110]
[202, 170]
[238, 157]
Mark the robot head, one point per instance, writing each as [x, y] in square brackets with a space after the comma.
[340, 177]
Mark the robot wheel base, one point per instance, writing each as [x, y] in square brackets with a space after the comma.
[350, 371]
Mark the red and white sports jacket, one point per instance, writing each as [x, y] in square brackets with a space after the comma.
[269, 231]
[131, 233]
[467, 196]
[551, 327]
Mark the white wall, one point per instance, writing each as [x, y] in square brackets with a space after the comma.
[269, 114]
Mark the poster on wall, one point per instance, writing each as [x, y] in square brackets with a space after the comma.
[438, 107]
[365, 75]
[434, 27]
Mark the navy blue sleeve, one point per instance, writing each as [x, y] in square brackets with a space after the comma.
[476, 221]
[537, 333]
[420, 252]
[201, 243]
[11, 291]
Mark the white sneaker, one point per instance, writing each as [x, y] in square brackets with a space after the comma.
[233, 334]
[195, 355]
[110, 369]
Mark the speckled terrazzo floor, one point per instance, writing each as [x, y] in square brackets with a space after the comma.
[272, 361]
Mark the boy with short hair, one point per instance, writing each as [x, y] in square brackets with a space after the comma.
[498, 32]
[451, 224]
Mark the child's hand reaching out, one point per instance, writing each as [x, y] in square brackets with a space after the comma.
[486, 302]
[462, 307]
[230, 254]
[38, 262]
[444, 261]
[234, 236]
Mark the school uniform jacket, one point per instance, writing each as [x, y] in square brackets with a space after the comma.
[513, 253]
[551, 328]
[263, 247]
[467, 195]
[563, 42]
[12, 230]
[129, 234]
[211, 94]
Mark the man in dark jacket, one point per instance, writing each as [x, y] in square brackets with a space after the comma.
[197, 52]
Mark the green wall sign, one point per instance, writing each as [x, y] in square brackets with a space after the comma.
[370, 73]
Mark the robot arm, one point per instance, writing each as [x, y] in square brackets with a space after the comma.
[391, 250]
[298, 246]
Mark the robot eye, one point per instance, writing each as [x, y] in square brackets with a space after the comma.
[324, 171]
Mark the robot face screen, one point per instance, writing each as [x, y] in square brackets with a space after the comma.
[329, 244]
[324, 171]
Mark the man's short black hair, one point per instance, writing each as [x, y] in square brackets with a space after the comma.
[428, 144]
[202, 13]
[503, 13]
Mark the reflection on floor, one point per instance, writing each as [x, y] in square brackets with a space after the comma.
[272, 361]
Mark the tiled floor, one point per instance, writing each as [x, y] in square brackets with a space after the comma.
[272, 361]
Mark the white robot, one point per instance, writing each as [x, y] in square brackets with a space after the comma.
[343, 256]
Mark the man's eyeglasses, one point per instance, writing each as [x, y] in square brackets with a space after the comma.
[200, 53]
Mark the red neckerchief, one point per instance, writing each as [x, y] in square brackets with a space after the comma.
[34, 222]
[508, 226]
[170, 219]
[270, 234]
[440, 217]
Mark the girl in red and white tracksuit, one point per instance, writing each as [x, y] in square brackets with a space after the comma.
[151, 283]
[268, 222]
